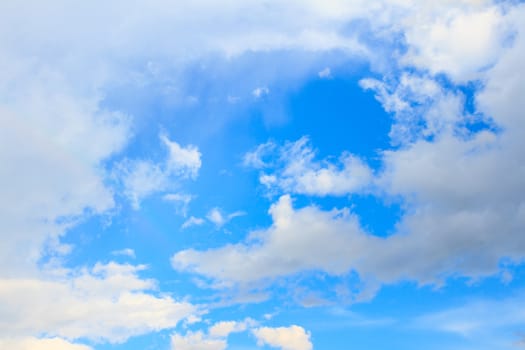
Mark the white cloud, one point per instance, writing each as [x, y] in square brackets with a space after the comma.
[124, 252]
[215, 339]
[273, 26]
[225, 328]
[182, 161]
[107, 303]
[299, 240]
[192, 221]
[31, 343]
[466, 207]
[458, 41]
[51, 168]
[285, 338]
[142, 178]
[219, 219]
[216, 217]
[420, 106]
[196, 341]
[501, 96]
[464, 190]
[294, 170]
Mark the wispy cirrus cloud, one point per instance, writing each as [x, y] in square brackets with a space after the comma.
[192, 221]
[475, 321]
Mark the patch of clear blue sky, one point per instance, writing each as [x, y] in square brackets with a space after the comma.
[337, 116]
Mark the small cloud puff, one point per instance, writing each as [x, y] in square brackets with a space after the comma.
[124, 252]
[196, 341]
[286, 338]
[325, 73]
[219, 219]
[182, 161]
[260, 92]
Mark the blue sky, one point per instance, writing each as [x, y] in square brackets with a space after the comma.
[262, 175]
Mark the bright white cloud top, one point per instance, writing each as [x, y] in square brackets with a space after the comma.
[289, 175]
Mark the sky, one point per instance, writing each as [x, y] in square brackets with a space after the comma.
[242, 175]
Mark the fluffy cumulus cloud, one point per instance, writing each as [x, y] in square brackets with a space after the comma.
[460, 42]
[292, 168]
[464, 187]
[50, 167]
[285, 338]
[298, 240]
[107, 303]
[196, 341]
[182, 161]
[214, 339]
[421, 107]
[466, 207]
[450, 230]
[31, 343]
[225, 328]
